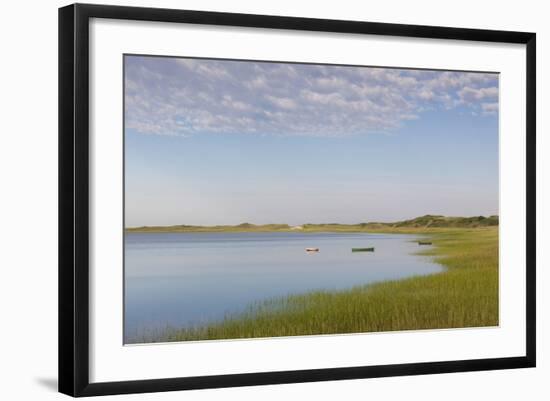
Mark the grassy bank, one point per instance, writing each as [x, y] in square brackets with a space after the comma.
[464, 295]
[420, 223]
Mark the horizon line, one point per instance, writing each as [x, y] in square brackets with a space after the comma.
[246, 223]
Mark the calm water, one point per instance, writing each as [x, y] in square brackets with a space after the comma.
[184, 279]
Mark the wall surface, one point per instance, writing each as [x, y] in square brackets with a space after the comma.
[28, 212]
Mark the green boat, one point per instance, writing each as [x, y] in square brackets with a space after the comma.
[362, 249]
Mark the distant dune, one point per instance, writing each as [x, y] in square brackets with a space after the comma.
[427, 221]
[443, 221]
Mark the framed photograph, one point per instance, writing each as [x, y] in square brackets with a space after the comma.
[251, 199]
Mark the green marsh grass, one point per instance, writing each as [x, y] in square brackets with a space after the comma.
[465, 294]
[422, 222]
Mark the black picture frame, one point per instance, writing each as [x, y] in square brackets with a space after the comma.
[74, 198]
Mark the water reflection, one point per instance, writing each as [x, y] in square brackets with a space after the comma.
[183, 279]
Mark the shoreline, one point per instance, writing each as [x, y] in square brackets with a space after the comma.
[463, 294]
[427, 222]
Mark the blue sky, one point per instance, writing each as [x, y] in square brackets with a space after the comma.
[225, 142]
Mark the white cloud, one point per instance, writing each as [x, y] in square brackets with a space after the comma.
[489, 108]
[282, 102]
[469, 95]
[256, 83]
[169, 96]
[228, 101]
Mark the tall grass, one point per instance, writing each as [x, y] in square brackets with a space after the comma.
[465, 294]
